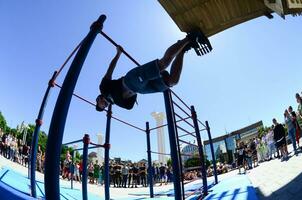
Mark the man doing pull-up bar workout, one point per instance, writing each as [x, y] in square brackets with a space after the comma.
[148, 78]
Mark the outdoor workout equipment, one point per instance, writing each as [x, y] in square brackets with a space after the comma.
[57, 125]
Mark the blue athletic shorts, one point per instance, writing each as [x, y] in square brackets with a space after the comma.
[146, 79]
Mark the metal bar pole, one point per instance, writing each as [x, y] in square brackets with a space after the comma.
[115, 44]
[72, 169]
[201, 153]
[107, 147]
[73, 142]
[86, 141]
[150, 171]
[57, 125]
[179, 154]
[34, 142]
[212, 152]
[178, 193]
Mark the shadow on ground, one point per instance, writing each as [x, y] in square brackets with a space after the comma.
[290, 191]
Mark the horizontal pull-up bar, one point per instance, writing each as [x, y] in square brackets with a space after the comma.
[184, 130]
[151, 129]
[185, 120]
[180, 108]
[167, 154]
[180, 99]
[115, 44]
[93, 147]
[73, 142]
[205, 127]
[185, 142]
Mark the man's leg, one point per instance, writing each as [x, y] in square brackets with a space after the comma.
[172, 52]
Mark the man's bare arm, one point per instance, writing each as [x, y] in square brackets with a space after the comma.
[113, 63]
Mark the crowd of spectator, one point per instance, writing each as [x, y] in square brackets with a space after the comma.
[274, 143]
[14, 149]
[121, 174]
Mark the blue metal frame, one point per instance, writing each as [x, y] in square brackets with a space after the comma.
[200, 150]
[86, 141]
[178, 191]
[72, 168]
[57, 125]
[107, 148]
[212, 152]
[150, 171]
[34, 142]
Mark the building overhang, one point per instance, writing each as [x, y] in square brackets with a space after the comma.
[214, 16]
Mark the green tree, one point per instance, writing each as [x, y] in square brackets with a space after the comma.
[3, 123]
[192, 162]
[169, 162]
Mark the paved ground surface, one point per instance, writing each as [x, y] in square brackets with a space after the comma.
[273, 180]
[278, 180]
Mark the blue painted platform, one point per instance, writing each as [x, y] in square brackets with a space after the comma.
[234, 188]
[14, 186]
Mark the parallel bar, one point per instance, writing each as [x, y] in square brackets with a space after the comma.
[115, 44]
[78, 96]
[107, 142]
[180, 108]
[57, 125]
[151, 129]
[184, 130]
[184, 120]
[160, 153]
[93, 104]
[202, 124]
[34, 141]
[93, 147]
[185, 142]
[201, 153]
[73, 142]
[86, 141]
[140, 129]
[150, 172]
[212, 152]
[179, 193]
[180, 99]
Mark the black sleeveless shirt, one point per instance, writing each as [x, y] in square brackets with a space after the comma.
[113, 91]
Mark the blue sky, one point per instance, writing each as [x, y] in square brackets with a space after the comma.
[252, 73]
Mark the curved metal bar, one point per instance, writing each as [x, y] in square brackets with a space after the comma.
[34, 142]
[68, 58]
[57, 125]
